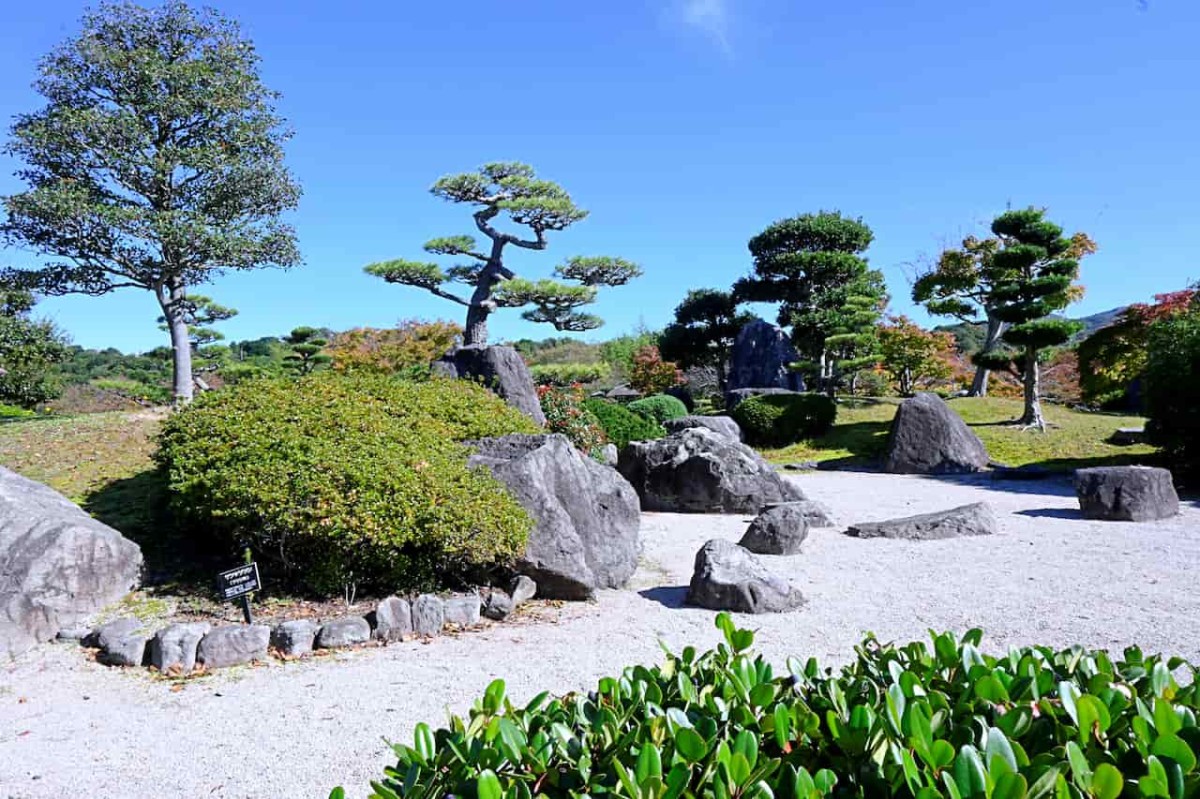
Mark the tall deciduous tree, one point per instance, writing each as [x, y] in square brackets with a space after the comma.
[156, 163]
[541, 206]
[30, 351]
[811, 265]
[706, 324]
[911, 355]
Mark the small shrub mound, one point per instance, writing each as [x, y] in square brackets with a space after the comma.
[622, 425]
[340, 481]
[566, 414]
[659, 407]
[776, 420]
[900, 721]
[566, 374]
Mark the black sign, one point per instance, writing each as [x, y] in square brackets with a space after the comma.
[238, 582]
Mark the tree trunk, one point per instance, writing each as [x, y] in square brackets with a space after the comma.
[181, 343]
[995, 329]
[476, 330]
[1033, 401]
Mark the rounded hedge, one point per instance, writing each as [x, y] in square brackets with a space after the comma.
[659, 407]
[622, 425]
[777, 420]
[337, 480]
[936, 720]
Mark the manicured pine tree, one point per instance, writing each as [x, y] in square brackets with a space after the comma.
[307, 355]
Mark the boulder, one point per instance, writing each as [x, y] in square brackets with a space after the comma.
[1126, 493]
[586, 517]
[342, 632]
[174, 647]
[121, 642]
[58, 566]
[927, 437]
[718, 424]
[501, 369]
[522, 589]
[975, 519]
[734, 397]
[760, 357]
[393, 619]
[778, 530]
[699, 471]
[462, 611]
[1127, 436]
[428, 615]
[498, 605]
[233, 644]
[815, 513]
[730, 577]
[294, 638]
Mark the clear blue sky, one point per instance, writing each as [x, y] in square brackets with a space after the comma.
[686, 126]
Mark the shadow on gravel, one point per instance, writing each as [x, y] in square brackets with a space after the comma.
[1052, 513]
[671, 596]
[1053, 485]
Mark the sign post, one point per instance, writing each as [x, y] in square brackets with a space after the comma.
[238, 584]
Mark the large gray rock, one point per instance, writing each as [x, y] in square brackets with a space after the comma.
[975, 519]
[729, 577]
[499, 368]
[393, 619]
[58, 565]
[462, 611]
[586, 516]
[736, 396]
[173, 648]
[343, 631]
[122, 642]
[233, 644]
[760, 358]
[1126, 493]
[718, 424]
[778, 530]
[428, 615]
[699, 471]
[294, 638]
[927, 437]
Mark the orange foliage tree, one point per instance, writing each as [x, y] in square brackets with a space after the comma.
[650, 374]
[412, 345]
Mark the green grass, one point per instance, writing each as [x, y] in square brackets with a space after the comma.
[1073, 440]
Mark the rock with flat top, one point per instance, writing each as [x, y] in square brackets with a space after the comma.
[975, 519]
[233, 645]
[1126, 493]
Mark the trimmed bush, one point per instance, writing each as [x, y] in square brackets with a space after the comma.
[1173, 389]
[659, 407]
[338, 480]
[622, 425]
[918, 720]
[565, 413]
[566, 374]
[777, 420]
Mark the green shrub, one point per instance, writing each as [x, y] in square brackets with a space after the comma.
[565, 413]
[1173, 389]
[659, 407]
[622, 425]
[565, 374]
[899, 721]
[777, 420]
[339, 480]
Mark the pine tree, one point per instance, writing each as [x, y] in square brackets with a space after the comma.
[307, 355]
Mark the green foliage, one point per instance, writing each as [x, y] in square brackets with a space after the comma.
[564, 374]
[659, 407]
[776, 420]
[30, 351]
[620, 352]
[307, 345]
[336, 480]
[622, 425]
[566, 414]
[936, 720]
[1173, 388]
[706, 324]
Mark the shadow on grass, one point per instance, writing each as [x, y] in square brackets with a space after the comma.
[137, 507]
[671, 596]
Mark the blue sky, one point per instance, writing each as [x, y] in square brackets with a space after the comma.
[686, 126]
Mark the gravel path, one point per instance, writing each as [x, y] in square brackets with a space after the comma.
[69, 726]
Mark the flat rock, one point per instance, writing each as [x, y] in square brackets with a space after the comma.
[58, 565]
[586, 533]
[1126, 493]
[393, 619]
[975, 519]
[462, 611]
[343, 631]
[294, 638]
[927, 437]
[1127, 436]
[428, 615]
[122, 642]
[699, 471]
[173, 648]
[779, 530]
[501, 369]
[730, 577]
[724, 425]
[233, 644]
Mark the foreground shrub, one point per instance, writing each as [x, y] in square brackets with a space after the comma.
[337, 481]
[407, 349]
[1173, 388]
[777, 420]
[659, 407]
[566, 414]
[566, 374]
[900, 721]
[622, 425]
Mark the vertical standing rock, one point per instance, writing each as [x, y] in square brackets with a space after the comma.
[500, 369]
[927, 437]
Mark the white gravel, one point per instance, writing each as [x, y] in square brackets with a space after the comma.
[69, 726]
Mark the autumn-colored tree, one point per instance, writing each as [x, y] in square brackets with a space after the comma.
[651, 374]
[407, 348]
[913, 356]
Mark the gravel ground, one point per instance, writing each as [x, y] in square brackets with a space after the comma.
[69, 726]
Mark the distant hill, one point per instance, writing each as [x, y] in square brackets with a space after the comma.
[969, 337]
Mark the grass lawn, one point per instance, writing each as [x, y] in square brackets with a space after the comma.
[1073, 439]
